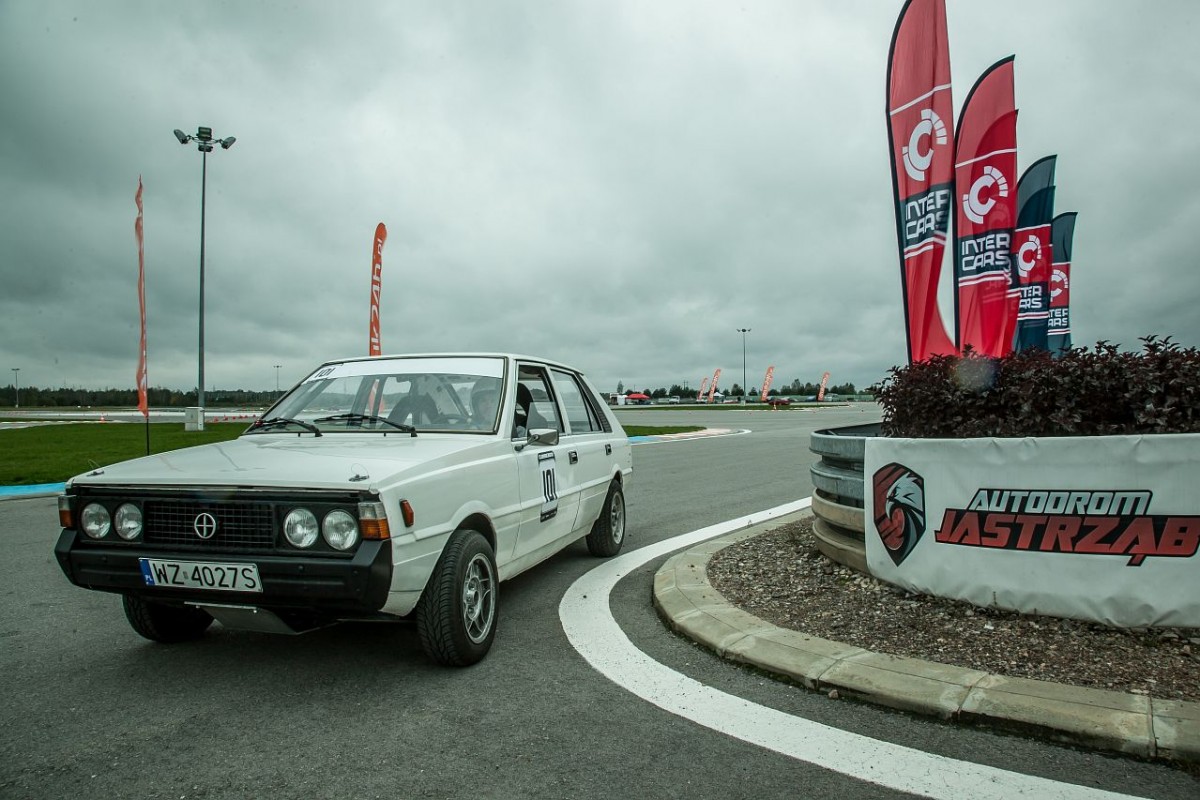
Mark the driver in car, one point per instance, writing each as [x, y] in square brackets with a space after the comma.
[484, 398]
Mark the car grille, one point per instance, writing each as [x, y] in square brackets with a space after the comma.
[240, 526]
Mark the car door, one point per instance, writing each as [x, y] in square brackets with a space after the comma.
[546, 473]
[589, 445]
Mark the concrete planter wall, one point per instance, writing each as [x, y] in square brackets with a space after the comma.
[837, 501]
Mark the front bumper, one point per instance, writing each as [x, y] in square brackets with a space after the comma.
[344, 588]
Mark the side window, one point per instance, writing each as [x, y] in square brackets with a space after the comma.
[580, 414]
[535, 402]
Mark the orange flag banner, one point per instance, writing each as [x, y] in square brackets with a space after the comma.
[373, 340]
[766, 386]
[712, 390]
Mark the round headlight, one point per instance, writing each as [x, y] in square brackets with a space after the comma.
[300, 527]
[96, 522]
[340, 529]
[129, 521]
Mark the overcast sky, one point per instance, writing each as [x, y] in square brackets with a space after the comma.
[616, 185]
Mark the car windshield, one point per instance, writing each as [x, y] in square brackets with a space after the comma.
[402, 396]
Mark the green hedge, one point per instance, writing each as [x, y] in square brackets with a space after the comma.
[1101, 391]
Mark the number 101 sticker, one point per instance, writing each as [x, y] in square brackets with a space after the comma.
[549, 488]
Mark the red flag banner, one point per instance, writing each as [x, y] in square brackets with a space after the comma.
[920, 121]
[1062, 235]
[703, 386]
[821, 390]
[985, 163]
[142, 387]
[1032, 254]
[373, 339]
[767, 383]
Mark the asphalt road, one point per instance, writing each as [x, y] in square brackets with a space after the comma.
[92, 710]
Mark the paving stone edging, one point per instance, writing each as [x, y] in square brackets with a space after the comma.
[1137, 725]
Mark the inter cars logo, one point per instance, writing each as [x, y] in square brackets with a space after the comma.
[1028, 255]
[899, 509]
[916, 161]
[974, 206]
[1059, 283]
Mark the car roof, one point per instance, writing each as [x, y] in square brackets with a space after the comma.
[461, 354]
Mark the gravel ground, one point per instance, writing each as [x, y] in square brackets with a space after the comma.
[781, 577]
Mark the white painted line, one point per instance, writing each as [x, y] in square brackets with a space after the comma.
[593, 632]
[694, 436]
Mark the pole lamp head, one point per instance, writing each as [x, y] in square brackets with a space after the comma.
[204, 134]
[181, 136]
[227, 142]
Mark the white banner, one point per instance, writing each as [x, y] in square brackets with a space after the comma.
[1103, 528]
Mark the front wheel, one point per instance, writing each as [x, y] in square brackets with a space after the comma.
[608, 531]
[456, 615]
[163, 623]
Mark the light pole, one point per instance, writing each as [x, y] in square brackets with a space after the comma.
[743, 332]
[204, 143]
[16, 387]
[277, 366]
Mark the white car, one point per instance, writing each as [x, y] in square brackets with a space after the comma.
[382, 488]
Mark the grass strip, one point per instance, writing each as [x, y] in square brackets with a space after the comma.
[54, 453]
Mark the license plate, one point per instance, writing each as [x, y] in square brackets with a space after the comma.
[222, 577]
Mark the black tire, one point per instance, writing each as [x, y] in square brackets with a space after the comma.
[457, 612]
[608, 531]
[167, 624]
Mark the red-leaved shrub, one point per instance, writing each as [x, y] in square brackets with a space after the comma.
[1084, 392]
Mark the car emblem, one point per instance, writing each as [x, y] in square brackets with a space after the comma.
[205, 525]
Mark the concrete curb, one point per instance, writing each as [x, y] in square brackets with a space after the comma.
[1141, 726]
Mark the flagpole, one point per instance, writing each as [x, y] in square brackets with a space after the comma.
[143, 385]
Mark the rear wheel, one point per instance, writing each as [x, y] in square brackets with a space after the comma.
[163, 623]
[608, 531]
[456, 615]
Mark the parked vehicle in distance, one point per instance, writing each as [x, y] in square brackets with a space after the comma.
[387, 488]
[673, 400]
[779, 401]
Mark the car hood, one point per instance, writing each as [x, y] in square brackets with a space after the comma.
[332, 461]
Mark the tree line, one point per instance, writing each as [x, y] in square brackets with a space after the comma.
[34, 397]
[793, 389]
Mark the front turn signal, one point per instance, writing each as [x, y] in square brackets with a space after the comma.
[65, 518]
[372, 521]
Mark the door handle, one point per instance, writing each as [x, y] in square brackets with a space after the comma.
[573, 457]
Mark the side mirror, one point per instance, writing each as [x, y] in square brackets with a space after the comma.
[547, 437]
[544, 436]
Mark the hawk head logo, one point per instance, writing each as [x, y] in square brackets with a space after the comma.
[899, 508]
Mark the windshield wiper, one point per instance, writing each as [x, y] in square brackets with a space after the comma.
[276, 421]
[409, 429]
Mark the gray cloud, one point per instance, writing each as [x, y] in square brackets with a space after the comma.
[616, 185]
